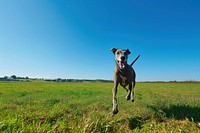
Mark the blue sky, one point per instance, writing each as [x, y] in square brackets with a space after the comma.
[72, 38]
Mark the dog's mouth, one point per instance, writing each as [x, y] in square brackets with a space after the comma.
[121, 64]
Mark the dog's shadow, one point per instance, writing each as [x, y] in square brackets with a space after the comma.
[176, 112]
[181, 112]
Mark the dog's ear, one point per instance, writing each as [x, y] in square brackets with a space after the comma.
[127, 51]
[113, 50]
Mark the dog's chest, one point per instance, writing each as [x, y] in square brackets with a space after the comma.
[123, 80]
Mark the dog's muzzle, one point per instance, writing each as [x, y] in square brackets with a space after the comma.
[121, 64]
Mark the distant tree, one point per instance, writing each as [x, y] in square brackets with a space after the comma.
[5, 77]
[27, 77]
[13, 77]
[58, 80]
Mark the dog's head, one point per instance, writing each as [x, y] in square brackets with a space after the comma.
[121, 57]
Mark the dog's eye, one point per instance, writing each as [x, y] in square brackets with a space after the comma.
[118, 53]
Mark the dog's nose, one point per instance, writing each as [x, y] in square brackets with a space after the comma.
[122, 58]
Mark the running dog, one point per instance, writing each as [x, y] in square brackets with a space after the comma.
[123, 74]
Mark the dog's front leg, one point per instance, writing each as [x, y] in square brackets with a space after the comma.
[115, 106]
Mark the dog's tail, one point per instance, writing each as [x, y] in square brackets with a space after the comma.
[134, 60]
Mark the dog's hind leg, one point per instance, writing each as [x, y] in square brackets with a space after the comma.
[131, 92]
[124, 86]
[128, 97]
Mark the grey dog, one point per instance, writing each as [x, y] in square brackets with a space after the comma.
[123, 74]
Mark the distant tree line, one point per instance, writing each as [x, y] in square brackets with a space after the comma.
[15, 78]
[76, 80]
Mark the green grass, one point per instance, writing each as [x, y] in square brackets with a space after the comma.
[87, 107]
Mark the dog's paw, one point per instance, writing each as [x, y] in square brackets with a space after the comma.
[115, 111]
[128, 97]
[132, 100]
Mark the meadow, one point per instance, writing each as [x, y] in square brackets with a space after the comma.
[87, 107]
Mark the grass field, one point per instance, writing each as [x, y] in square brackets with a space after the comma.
[87, 107]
